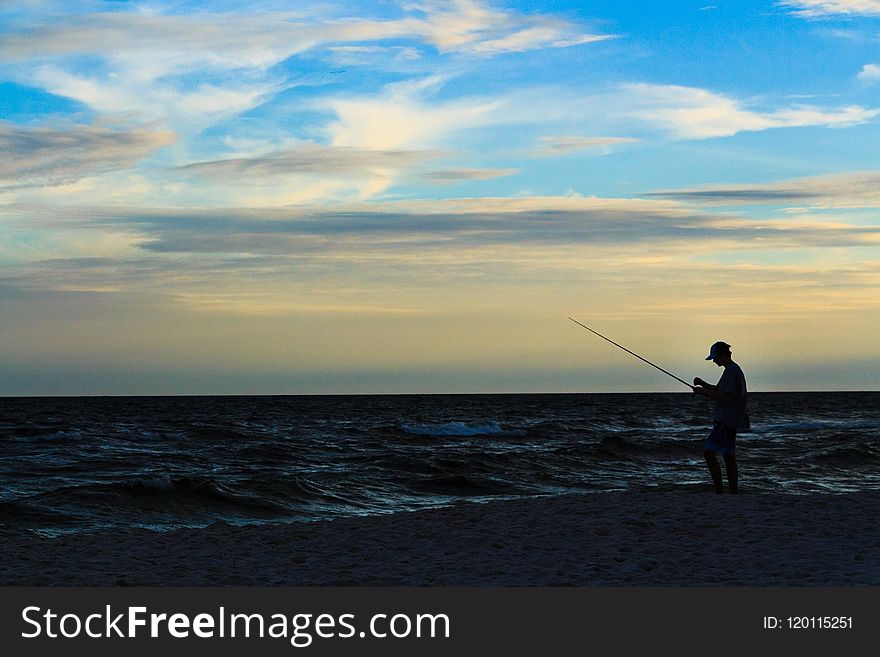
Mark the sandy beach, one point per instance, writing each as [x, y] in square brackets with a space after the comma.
[602, 539]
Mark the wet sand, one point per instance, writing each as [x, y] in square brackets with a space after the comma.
[691, 538]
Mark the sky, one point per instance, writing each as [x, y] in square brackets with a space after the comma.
[414, 196]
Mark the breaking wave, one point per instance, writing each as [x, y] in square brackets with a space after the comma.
[461, 429]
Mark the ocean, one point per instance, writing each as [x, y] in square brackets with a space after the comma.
[72, 464]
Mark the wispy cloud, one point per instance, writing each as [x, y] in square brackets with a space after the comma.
[461, 226]
[476, 27]
[823, 8]
[317, 172]
[407, 259]
[453, 228]
[237, 40]
[37, 156]
[563, 145]
[200, 40]
[693, 113]
[449, 176]
[848, 190]
[405, 116]
[125, 94]
[143, 62]
[308, 159]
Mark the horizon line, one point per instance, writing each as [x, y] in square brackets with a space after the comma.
[411, 394]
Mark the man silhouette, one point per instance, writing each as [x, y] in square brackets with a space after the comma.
[730, 415]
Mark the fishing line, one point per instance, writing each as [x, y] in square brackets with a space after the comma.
[633, 353]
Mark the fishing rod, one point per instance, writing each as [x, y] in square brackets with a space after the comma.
[634, 354]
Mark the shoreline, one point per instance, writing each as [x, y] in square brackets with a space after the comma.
[672, 538]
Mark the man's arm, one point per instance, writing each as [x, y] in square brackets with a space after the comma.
[712, 393]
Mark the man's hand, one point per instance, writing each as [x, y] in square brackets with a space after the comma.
[705, 389]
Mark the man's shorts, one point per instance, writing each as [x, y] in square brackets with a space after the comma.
[722, 439]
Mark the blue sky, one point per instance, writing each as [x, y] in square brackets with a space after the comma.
[413, 196]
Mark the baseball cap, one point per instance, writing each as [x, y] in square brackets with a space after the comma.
[718, 348]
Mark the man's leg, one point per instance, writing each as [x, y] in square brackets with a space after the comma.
[732, 472]
[714, 470]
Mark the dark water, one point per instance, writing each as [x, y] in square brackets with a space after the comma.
[72, 464]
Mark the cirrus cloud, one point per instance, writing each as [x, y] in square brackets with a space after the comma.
[860, 189]
[142, 62]
[693, 113]
[232, 40]
[40, 156]
[823, 8]
[563, 145]
[450, 176]
[308, 159]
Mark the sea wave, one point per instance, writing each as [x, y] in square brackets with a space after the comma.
[55, 436]
[157, 493]
[849, 424]
[463, 429]
[72, 464]
[160, 482]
